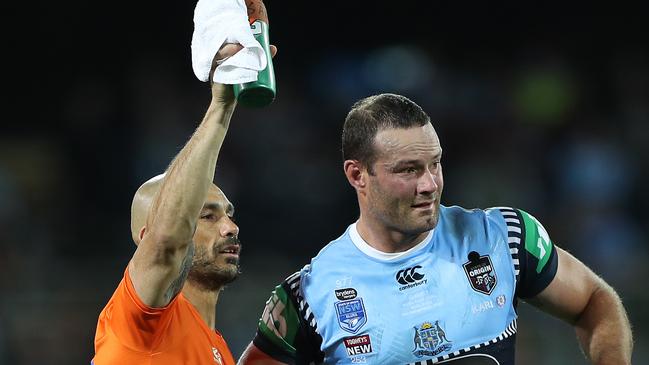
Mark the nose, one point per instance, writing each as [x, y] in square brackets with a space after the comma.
[228, 228]
[427, 184]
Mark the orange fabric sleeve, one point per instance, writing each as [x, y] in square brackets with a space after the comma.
[137, 325]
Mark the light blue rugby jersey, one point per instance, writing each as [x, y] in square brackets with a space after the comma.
[453, 296]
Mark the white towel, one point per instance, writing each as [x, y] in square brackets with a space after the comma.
[225, 21]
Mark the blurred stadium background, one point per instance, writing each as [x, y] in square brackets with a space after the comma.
[539, 106]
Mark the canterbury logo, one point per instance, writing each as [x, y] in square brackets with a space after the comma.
[409, 275]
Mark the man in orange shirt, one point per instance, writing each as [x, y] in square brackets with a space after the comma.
[163, 311]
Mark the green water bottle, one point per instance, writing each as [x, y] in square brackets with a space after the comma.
[261, 92]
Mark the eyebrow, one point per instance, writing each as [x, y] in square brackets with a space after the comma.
[407, 162]
[216, 206]
[414, 162]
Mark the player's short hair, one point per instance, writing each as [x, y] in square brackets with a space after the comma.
[370, 115]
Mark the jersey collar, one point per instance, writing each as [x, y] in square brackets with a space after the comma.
[370, 251]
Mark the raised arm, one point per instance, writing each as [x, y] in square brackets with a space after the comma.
[165, 248]
[583, 299]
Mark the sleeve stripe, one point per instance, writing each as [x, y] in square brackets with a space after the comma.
[305, 311]
[514, 236]
[515, 240]
[295, 277]
[508, 213]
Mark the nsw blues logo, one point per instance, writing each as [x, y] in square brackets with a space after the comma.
[430, 340]
[351, 314]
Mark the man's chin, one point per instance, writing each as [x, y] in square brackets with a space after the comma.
[426, 225]
[232, 261]
[229, 271]
[217, 278]
[433, 219]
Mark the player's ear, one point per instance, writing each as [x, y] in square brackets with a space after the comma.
[355, 174]
[140, 235]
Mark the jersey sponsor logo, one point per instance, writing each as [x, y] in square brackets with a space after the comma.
[482, 307]
[273, 316]
[346, 294]
[480, 272]
[410, 277]
[358, 345]
[430, 339]
[351, 314]
[217, 356]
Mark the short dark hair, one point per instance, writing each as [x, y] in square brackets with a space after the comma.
[370, 115]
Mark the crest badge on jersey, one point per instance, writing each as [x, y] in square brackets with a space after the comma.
[480, 272]
[351, 314]
[430, 339]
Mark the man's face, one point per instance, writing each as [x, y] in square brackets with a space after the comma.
[216, 243]
[404, 191]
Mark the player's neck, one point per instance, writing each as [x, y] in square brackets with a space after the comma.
[385, 239]
[203, 300]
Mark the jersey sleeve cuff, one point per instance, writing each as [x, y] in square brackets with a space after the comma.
[269, 348]
[544, 279]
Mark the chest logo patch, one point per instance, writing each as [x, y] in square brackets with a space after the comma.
[358, 345]
[430, 340]
[346, 294]
[480, 272]
[351, 314]
[410, 277]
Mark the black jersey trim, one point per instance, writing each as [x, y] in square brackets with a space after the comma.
[515, 238]
[292, 283]
[510, 331]
[538, 286]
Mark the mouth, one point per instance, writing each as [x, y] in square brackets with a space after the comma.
[232, 250]
[427, 205]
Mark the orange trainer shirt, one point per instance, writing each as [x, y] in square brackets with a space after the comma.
[132, 333]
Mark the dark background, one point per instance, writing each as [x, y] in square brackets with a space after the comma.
[539, 106]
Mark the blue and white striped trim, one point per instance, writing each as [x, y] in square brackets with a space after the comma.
[508, 332]
[293, 282]
[515, 231]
